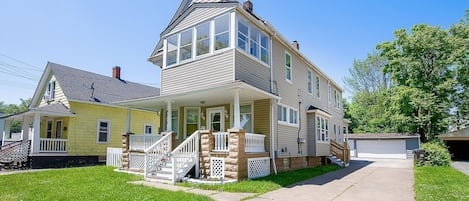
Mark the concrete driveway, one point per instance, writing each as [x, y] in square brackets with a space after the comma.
[363, 180]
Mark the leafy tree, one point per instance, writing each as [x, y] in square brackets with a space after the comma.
[367, 75]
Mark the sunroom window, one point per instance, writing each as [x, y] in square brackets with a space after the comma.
[253, 41]
[222, 32]
[264, 48]
[203, 38]
[254, 48]
[243, 33]
[171, 50]
[185, 52]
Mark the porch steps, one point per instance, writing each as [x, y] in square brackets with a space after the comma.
[337, 161]
[163, 175]
[15, 155]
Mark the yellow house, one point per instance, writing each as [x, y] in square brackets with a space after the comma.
[71, 120]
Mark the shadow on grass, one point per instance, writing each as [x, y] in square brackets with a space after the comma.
[335, 175]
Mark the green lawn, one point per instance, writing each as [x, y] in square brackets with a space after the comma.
[440, 183]
[88, 183]
[269, 183]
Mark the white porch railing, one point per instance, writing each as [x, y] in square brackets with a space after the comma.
[142, 142]
[114, 157]
[185, 156]
[52, 145]
[254, 143]
[221, 141]
[157, 154]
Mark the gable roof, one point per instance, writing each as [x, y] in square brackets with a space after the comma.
[80, 85]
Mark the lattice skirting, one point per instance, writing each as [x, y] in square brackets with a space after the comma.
[136, 161]
[258, 167]
[217, 167]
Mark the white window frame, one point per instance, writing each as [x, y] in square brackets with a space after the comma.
[337, 99]
[247, 50]
[322, 130]
[145, 128]
[51, 90]
[318, 87]
[222, 33]
[185, 120]
[288, 110]
[309, 85]
[251, 113]
[108, 137]
[290, 68]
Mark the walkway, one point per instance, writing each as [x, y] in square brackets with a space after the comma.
[462, 166]
[364, 179]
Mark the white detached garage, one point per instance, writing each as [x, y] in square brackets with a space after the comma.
[383, 145]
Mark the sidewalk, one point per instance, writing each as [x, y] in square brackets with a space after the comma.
[216, 195]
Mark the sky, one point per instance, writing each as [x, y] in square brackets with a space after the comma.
[98, 35]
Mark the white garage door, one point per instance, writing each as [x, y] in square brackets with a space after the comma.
[381, 149]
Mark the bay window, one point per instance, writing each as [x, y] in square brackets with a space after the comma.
[253, 41]
[322, 129]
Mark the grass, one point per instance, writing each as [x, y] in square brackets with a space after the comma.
[440, 183]
[86, 183]
[269, 183]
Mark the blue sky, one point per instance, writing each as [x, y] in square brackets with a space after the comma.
[97, 35]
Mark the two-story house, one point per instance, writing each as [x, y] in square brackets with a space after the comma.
[71, 120]
[223, 66]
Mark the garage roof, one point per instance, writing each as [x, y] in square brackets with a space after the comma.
[382, 136]
[459, 135]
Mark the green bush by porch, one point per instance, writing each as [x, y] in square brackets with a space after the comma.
[440, 183]
[268, 183]
[86, 183]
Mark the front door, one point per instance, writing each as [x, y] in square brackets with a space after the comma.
[216, 119]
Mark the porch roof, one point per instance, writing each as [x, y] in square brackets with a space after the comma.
[458, 135]
[52, 110]
[216, 95]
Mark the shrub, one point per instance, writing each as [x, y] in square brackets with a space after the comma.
[436, 154]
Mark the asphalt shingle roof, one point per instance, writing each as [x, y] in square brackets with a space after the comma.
[91, 87]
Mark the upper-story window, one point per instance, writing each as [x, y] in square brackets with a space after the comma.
[205, 38]
[329, 96]
[318, 92]
[222, 32]
[288, 76]
[310, 82]
[50, 91]
[253, 41]
[336, 99]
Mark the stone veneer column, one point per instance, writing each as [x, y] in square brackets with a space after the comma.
[125, 150]
[236, 163]
[207, 144]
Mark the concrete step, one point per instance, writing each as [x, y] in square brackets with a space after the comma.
[158, 179]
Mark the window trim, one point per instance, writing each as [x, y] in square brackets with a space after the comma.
[247, 51]
[250, 103]
[145, 128]
[288, 110]
[318, 87]
[108, 140]
[325, 129]
[309, 84]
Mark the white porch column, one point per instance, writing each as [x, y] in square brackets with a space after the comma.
[169, 116]
[127, 122]
[236, 115]
[6, 132]
[36, 135]
[25, 128]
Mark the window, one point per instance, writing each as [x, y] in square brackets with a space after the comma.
[246, 117]
[58, 129]
[50, 91]
[265, 48]
[287, 115]
[253, 41]
[49, 129]
[171, 49]
[185, 51]
[222, 32]
[318, 94]
[103, 133]
[203, 39]
[148, 129]
[322, 129]
[287, 67]
[328, 96]
[337, 99]
[310, 82]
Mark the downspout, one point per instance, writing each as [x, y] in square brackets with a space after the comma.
[272, 138]
[299, 124]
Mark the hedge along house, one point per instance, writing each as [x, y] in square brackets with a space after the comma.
[71, 121]
[223, 67]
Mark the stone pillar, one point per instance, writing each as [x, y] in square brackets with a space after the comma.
[236, 164]
[126, 150]
[207, 144]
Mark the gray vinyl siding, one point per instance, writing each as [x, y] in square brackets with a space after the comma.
[311, 134]
[199, 15]
[252, 72]
[198, 74]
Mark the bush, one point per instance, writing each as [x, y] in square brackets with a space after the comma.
[436, 154]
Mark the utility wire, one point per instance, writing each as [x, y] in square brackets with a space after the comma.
[22, 62]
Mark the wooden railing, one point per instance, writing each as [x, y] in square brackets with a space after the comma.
[185, 156]
[142, 142]
[52, 145]
[341, 151]
[157, 155]
[254, 143]
[221, 141]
